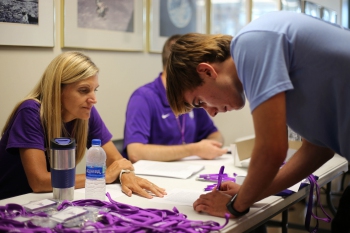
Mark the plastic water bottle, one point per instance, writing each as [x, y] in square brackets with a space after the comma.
[95, 183]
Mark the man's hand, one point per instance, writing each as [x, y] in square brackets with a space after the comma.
[209, 149]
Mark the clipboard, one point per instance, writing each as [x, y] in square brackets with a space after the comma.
[243, 147]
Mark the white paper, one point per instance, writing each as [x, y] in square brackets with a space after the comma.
[179, 197]
[166, 169]
[113, 189]
[188, 197]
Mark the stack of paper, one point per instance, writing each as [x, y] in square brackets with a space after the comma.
[166, 169]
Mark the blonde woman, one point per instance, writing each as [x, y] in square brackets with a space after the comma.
[61, 105]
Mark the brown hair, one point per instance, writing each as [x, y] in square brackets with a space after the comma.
[186, 53]
[166, 48]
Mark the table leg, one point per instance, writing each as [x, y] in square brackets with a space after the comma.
[329, 198]
[285, 221]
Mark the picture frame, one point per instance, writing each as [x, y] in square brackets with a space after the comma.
[228, 17]
[169, 17]
[40, 34]
[101, 31]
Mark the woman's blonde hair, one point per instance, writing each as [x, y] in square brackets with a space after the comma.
[186, 53]
[68, 67]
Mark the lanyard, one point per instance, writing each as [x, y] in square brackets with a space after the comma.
[182, 128]
[111, 216]
[309, 213]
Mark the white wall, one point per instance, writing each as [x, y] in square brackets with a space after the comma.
[121, 73]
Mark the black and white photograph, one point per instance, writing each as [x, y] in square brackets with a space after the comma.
[114, 15]
[20, 20]
[169, 17]
[177, 17]
[103, 24]
[19, 11]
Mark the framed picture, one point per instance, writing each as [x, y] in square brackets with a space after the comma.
[27, 23]
[228, 17]
[321, 11]
[169, 17]
[103, 24]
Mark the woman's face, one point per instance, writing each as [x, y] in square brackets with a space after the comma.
[78, 98]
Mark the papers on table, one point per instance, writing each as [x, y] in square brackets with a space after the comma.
[186, 197]
[166, 169]
[179, 197]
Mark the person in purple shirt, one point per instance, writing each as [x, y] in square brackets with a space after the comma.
[61, 105]
[152, 132]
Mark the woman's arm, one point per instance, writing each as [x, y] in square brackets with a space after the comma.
[39, 179]
[206, 149]
[217, 136]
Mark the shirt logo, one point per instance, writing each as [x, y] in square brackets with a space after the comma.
[191, 115]
[164, 116]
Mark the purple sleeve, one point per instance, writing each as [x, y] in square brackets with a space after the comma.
[97, 128]
[205, 125]
[138, 121]
[26, 130]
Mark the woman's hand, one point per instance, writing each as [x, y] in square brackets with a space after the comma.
[113, 170]
[134, 184]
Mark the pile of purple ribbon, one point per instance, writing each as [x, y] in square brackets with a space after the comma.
[112, 217]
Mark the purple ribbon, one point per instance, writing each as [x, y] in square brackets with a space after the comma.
[309, 213]
[221, 176]
[113, 217]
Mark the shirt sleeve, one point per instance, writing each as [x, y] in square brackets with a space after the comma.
[138, 121]
[262, 60]
[204, 124]
[26, 130]
[97, 128]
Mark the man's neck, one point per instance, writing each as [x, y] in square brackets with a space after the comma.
[163, 77]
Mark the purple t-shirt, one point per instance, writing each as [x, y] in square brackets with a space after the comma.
[26, 131]
[150, 120]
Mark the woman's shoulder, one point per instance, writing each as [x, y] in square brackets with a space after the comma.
[29, 104]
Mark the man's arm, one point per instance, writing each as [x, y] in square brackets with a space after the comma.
[304, 162]
[217, 136]
[264, 175]
[269, 151]
[206, 149]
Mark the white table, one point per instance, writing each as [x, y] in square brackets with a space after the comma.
[262, 212]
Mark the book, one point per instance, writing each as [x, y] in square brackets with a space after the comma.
[179, 170]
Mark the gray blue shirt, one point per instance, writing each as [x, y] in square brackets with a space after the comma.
[309, 60]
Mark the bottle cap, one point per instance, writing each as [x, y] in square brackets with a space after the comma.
[62, 143]
[96, 142]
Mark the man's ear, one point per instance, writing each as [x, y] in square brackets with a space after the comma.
[206, 70]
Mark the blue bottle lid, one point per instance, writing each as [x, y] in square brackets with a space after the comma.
[96, 142]
[62, 143]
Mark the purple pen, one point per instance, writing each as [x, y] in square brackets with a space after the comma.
[221, 172]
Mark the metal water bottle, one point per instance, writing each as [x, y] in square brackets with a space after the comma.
[62, 162]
